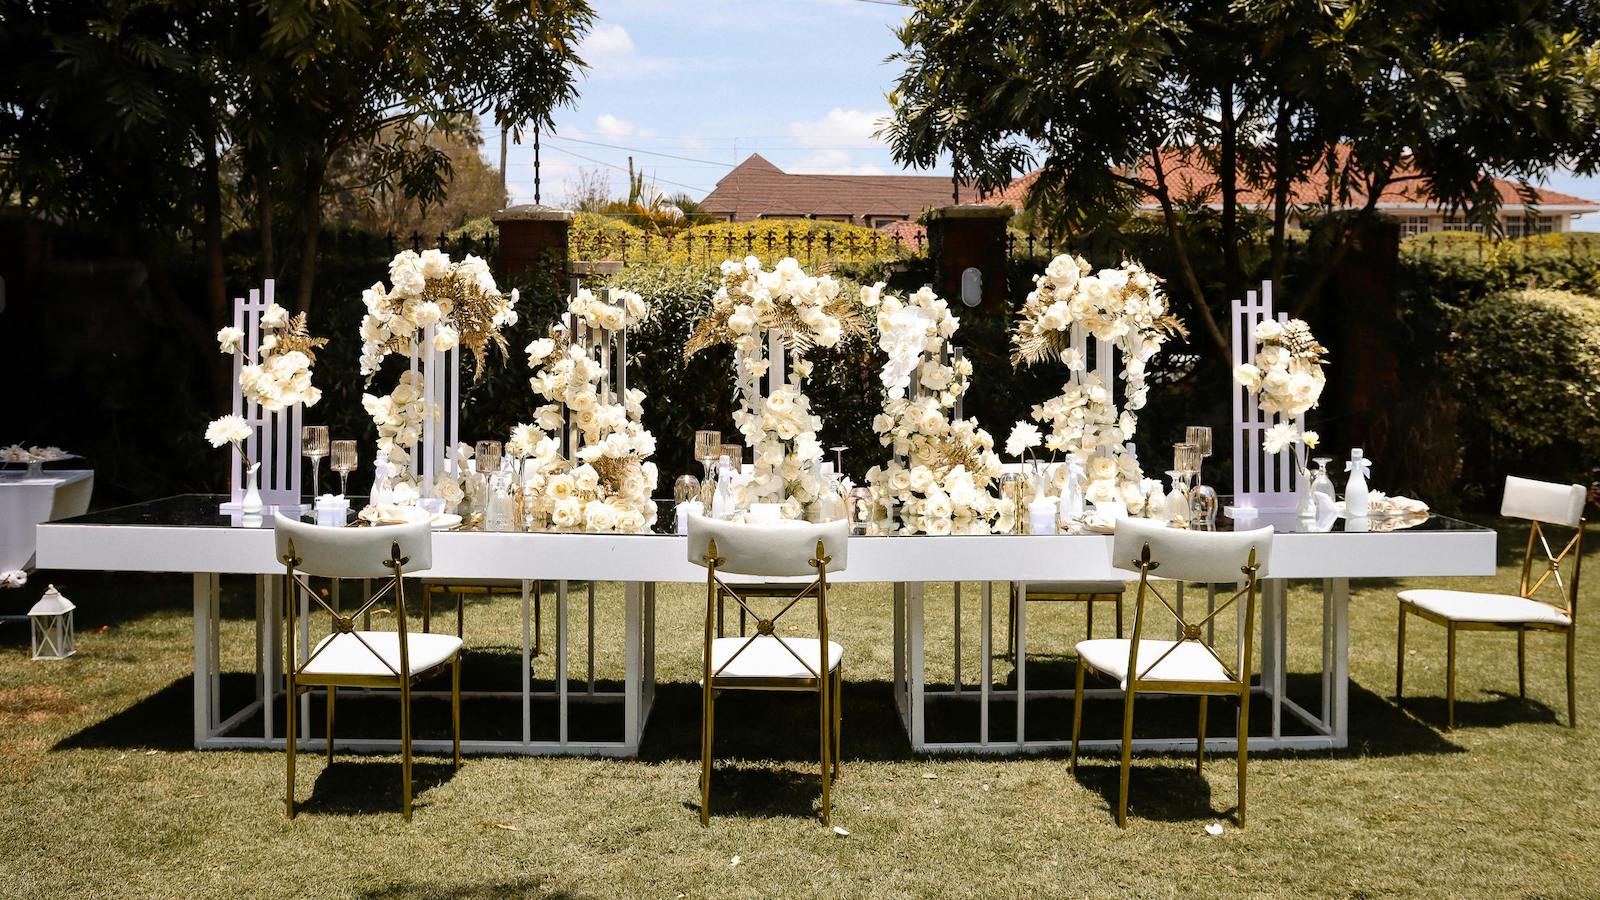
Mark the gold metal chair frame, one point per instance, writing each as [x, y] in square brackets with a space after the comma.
[299, 681]
[1552, 570]
[1088, 598]
[828, 689]
[1238, 684]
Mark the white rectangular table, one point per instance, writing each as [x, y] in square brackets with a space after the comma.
[26, 500]
[186, 534]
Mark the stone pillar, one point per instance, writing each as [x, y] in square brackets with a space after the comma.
[968, 247]
[530, 237]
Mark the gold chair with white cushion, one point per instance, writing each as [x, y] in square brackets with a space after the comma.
[1541, 503]
[1188, 665]
[1086, 592]
[368, 659]
[766, 661]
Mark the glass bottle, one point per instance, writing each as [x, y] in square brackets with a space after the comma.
[1178, 500]
[722, 497]
[499, 507]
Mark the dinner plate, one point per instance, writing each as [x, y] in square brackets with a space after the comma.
[445, 522]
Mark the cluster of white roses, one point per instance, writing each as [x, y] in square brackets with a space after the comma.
[940, 477]
[781, 430]
[1286, 378]
[607, 483]
[280, 376]
[398, 416]
[625, 309]
[429, 289]
[784, 298]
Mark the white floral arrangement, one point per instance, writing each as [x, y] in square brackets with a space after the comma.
[803, 311]
[1124, 306]
[16, 453]
[606, 484]
[277, 376]
[460, 299]
[1286, 379]
[940, 478]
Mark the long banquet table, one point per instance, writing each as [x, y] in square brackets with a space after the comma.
[187, 534]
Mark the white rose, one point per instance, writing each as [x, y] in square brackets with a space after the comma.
[566, 512]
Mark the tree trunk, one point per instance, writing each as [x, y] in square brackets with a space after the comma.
[1228, 183]
[1312, 288]
[311, 221]
[1185, 264]
[264, 214]
[217, 306]
[1280, 197]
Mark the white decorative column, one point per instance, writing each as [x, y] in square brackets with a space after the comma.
[1262, 482]
[274, 440]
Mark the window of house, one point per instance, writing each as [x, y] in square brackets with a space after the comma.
[1415, 225]
[1455, 223]
[878, 221]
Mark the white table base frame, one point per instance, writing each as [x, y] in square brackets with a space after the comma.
[1328, 729]
[213, 730]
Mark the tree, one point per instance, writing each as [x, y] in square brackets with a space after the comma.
[1122, 101]
[358, 195]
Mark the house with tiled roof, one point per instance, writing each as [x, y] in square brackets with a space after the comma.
[1405, 200]
[757, 189]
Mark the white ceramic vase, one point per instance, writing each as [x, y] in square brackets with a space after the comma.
[251, 504]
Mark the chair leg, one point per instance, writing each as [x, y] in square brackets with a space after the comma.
[1119, 616]
[1572, 677]
[825, 726]
[405, 753]
[427, 610]
[333, 694]
[719, 613]
[1450, 678]
[1244, 748]
[1127, 758]
[1088, 629]
[838, 719]
[708, 705]
[461, 614]
[1011, 624]
[1400, 658]
[1200, 744]
[1077, 716]
[455, 710]
[290, 702]
[1522, 663]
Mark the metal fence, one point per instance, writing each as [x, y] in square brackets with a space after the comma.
[1570, 246]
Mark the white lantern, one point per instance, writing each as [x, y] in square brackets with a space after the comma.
[52, 626]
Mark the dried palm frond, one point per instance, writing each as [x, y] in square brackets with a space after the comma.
[709, 332]
[473, 312]
[297, 336]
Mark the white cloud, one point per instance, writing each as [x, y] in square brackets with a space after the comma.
[606, 41]
[841, 127]
[612, 127]
[833, 162]
[611, 53]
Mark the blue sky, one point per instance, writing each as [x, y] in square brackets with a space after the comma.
[802, 82]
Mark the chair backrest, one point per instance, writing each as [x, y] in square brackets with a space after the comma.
[1543, 501]
[1210, 557]
[1547, 503]
[327, 552]
[768, 551]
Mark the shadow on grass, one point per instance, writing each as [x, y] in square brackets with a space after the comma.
[783, 726]
[1167, 793]
[354, 786]
[763, 793]
[516, 887]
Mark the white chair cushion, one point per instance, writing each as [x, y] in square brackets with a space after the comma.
[1073, 587]
[344, 654]
[1467, 606]
[1190, 662]
[765, 658]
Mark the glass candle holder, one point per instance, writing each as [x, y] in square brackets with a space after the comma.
[343, 460]
[314, 445]
[487, 457]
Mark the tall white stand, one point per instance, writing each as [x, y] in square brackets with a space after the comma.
[274, 440]
[440, 372]
[1262, 481]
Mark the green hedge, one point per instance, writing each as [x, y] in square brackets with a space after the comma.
[1527, 363]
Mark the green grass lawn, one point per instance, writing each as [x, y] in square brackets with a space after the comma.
[100, 797]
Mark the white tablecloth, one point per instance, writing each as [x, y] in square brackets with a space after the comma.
[25, 502]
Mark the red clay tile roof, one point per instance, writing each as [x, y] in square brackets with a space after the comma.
[757, 188]
[1190, 179]
[911, 235]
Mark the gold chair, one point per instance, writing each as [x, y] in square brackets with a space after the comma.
[1188, 665]
[460, 589]
[368, 659]
[1541, 503]
[764, 661]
